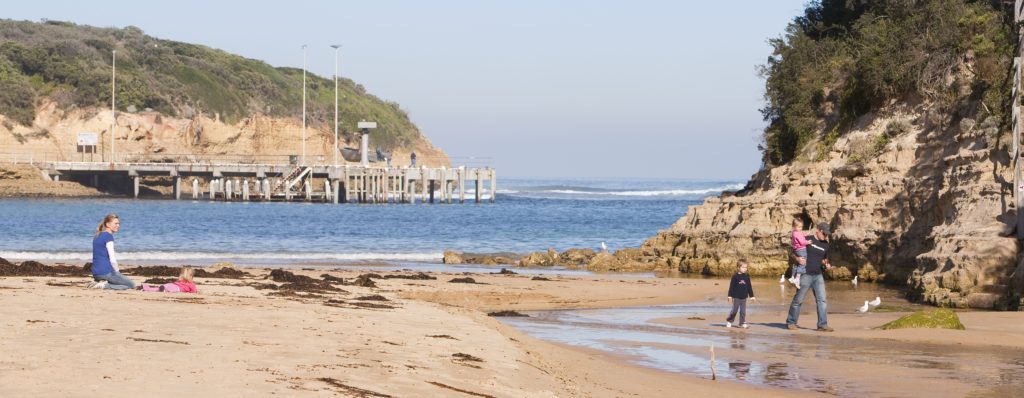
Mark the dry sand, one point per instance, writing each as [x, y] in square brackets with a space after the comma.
[430, 338]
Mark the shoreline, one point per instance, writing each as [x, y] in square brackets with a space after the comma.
[425, 333]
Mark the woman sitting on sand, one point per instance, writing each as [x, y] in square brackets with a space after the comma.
[105, 273]
[184, 284]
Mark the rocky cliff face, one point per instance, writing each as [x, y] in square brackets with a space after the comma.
[913, 197]
[152, 136]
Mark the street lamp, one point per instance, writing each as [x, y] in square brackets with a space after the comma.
[303, 104]
[335, 47]
[113, 93]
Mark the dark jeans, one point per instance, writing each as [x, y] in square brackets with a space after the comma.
[815, 283]
[116, 281]
[741, 306]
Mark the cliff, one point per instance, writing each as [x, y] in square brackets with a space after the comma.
[917, 186]
[175, 100]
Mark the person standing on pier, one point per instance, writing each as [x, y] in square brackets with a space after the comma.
[412, 158]
[105, 272]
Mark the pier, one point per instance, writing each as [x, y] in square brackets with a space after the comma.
[291, 182]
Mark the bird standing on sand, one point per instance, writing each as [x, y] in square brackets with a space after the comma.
[782, 279]
[854, 281]
[604, 247]
[876, 301]
[863, 308]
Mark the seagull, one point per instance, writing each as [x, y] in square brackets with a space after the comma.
[604, 247]
[782, 279]
[854, 281]
[863, 308]
[876, 301]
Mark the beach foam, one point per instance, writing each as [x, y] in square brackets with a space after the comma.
[262, 257]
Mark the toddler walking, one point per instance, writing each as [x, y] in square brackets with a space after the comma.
[800, 242]
[184, 284]
[739, 290]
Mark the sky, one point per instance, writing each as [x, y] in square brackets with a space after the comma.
[591, 89]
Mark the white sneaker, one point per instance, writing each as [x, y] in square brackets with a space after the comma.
[745, 326]
[728, 324]
[98, 285]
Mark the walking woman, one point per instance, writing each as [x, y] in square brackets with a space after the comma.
[105, 272]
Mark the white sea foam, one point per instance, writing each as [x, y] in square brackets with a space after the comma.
[169, 255]
[669, 192]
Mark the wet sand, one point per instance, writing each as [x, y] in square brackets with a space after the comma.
[404, 337]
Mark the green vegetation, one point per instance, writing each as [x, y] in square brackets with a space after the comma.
[71, 64]
[845, 58]
[942, 318]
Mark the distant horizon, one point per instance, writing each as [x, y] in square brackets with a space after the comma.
[654, 89]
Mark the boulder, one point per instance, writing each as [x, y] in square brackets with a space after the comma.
[451, 257]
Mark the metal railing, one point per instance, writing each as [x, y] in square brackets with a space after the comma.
[45, 157]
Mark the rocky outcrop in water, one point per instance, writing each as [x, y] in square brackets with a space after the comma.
[913, 198]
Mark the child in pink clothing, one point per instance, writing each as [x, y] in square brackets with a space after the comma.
[800, 242]
[184, 284]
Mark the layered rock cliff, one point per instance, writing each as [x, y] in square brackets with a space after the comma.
[931, 208]
[157, 137]
[890, 121]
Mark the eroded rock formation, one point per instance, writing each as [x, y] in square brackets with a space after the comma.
[912, 198]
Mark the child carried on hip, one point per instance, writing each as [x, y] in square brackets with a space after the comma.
[800, 242]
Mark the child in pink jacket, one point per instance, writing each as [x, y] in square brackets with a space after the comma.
[800, 242]
[184, 284]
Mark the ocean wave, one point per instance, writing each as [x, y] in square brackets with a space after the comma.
[169, 255]
[599, 192]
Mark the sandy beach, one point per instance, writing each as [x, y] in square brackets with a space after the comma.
[403, 337]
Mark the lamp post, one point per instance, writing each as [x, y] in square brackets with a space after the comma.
[335, 47]
[303, 162]
[113, 109]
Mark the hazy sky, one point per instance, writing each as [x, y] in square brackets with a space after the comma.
[661, 89]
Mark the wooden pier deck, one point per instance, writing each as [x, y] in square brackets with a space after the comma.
[288, 182]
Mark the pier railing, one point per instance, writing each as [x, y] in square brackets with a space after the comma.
[200, 159]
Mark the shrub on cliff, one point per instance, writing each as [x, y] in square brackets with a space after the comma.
[845, 58]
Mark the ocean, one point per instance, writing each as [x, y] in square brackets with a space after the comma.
[529, 215]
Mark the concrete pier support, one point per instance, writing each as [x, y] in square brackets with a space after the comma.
[424, 186]
[245, 190]
[462, 185]
[177, 188]
[431, 191]
[479, 184]
[335, 183]
[405, 187]
[227, 189]
[213, 185]
[494, 185]
[195, 188]
[309, 190]
[412, 191]
[135, 185]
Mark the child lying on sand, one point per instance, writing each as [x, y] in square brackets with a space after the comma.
[184, 284]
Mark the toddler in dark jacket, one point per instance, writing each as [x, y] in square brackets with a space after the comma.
[740, 289]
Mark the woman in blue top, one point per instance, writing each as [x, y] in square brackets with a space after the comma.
[104, 263]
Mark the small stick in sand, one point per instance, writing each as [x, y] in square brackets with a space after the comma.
[713, 376]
